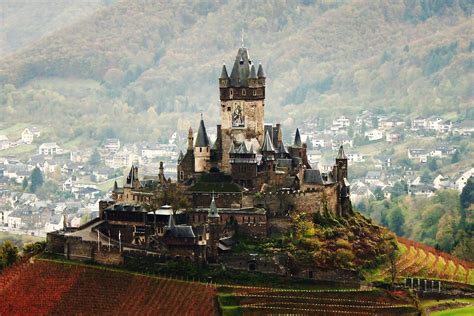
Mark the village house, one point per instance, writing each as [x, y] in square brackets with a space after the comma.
[373, 177]
[421, 189]
[49, 149]
[391, 122]
[464, 128]
[418, 154]
[419, 123]
[354, 157]
[373, 135]
[442, 151]
[442, 182]
[28, 135]
[112, 145]
[461, 181]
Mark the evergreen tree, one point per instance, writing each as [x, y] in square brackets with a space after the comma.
[396, 220]
[24, 184]
[456, 157]
[467, 194]
[94, 159]
[36, 180]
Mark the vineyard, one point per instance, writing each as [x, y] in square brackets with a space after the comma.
[258, 301]
[44, 287]
[420, 260]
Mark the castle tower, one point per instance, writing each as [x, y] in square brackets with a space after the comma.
[202, 149]
[242, 96]
[185, 166]
[341, 165]
[213, 219]
[190, 139]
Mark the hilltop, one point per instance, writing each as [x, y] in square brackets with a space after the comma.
[155, 64]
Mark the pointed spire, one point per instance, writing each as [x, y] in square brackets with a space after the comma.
[171, 220]
[341, 154]
[243, 149]
[232, 148]
[115, 189]
[297, 142]
[162, 169]
[282, 148]
[253, 73]
[260, 72]
[224, 74]
[202, 140]
[268, 144]
[252, 150]
[180, 157]
[242, 39]
[213, 213]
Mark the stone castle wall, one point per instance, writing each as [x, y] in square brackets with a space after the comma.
[312, 200]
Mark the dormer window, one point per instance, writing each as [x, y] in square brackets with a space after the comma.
[244, 92]
[231, 93]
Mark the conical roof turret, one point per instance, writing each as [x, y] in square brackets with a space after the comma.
[341, 154]
[260, 72]
[224, 74]
[213, 213]
[297, 142]
[253, 73]
[202, 140]
[267, 144]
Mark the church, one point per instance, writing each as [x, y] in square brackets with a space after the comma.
[231, 188]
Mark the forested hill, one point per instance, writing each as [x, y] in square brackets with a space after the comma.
[158, 61]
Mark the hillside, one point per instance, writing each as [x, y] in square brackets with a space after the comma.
[44, 18]
[155, 64]
[46, 287]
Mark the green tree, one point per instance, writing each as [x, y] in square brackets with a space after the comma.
[95, 158]
[456, 157]
[378, 193]
[36, 180]
[426, 177]
[432, 164]
[400, 188]
[8, 254]
[24, 184]
[396, 220]
[467, 194]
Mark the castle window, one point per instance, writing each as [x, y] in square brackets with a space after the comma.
[231, 93]
[244, 92]
[254, 92]
[200, 149]
[181, 175]
[228, 108]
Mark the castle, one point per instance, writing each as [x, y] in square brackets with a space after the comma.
[234, 186]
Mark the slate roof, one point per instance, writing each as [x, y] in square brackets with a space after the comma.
[341, 154]
[224, 74]
[297, 141]
[202, 140]
[267, 144]
[241, 69]
[260, 72]
[312, 176]
[253, 73]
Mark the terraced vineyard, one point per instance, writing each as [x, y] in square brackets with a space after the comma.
[45, 287]
[259, 301]
[419, 260]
